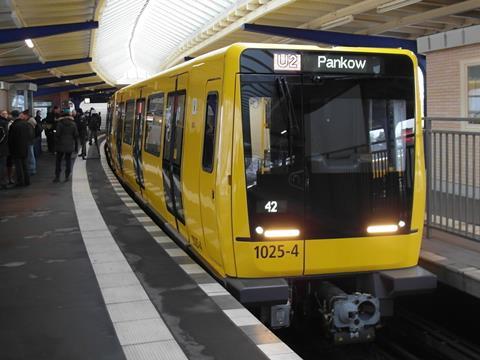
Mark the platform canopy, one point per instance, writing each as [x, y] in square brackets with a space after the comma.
[61, 38]
[129, 40]
[139, 38]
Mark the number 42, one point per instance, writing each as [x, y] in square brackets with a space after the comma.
[271, 206]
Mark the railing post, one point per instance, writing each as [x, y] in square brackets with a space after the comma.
[428, 159]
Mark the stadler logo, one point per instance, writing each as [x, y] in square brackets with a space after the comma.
[341, 63]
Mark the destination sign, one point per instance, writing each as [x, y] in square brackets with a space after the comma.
[326, 61]
[345, 64]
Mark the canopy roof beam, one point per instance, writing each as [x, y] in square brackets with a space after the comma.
[55, 79]
[55, 90]
[33, 32]
[23, 68]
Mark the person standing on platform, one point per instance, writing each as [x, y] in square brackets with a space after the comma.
[13, 115]
[49, 125]
[3, 149]
[82, 126]
[66, 136]
[94, 123]
[31, 160]
[20, 136]
[38, 134]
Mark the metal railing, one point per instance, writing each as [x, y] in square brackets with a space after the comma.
[452, 154]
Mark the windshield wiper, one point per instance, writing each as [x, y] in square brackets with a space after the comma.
[286, 97]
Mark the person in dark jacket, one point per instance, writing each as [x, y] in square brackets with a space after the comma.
[66, 136]
[3, 148]
[49, 126]
[94, 122]
[38, 133]
[13, 115]
[82, 126]
[20, 136]
[31, 160]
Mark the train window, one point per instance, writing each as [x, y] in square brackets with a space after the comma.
[168, 126]
[178, 140]
[128, 126]
[153, 128]
[175, 107]
[119, 123]
[209, 132]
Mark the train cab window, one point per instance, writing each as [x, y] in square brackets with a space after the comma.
[153, 128]
[128, 126]
[209, 132]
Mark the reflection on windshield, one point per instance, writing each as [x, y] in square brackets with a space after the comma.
[338, 152]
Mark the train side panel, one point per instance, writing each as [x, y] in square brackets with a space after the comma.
[155, 91]
[197, 193]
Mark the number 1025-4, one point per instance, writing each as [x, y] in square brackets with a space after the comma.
[275, 251]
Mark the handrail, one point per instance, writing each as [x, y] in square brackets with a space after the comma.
[457, 119]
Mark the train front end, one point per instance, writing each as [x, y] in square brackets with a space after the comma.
[334, 183]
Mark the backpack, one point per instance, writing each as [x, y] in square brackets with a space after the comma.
[38, 130]
[95, 121]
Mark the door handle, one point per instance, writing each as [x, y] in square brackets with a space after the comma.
[213, 194]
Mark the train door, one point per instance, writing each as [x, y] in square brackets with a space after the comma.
[119, 134]
[137, 142]
[172, 150]
[208, 171]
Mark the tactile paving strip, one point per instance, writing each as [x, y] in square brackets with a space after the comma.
[141, 331]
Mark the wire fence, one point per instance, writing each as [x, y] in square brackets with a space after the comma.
[452, 154]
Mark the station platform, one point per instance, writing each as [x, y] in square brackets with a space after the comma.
[86, 274]
[454, 259]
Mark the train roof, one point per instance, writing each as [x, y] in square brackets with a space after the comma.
[237, 48]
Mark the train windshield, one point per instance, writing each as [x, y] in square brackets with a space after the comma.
[329, 154]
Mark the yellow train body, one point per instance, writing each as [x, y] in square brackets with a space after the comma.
[214, 220]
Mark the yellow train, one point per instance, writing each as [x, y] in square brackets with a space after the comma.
[295, 174]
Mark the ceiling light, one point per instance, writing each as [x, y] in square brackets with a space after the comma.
[395, 4]
[337, 22]
[29, 43]
[67, 81]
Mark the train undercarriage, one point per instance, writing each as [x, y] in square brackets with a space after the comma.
[348, 308]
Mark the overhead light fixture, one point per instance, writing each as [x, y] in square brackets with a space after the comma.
[395, 4]
[337, 22]
[29, 43]
[67, 81]
[382, 229]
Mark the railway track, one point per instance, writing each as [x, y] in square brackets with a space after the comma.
[406, 336]
[414, 337]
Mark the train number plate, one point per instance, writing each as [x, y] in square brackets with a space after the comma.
[275, 251]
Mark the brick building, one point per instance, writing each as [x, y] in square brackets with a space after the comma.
[453, 74]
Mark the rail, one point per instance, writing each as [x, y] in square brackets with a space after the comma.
[452, 154]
